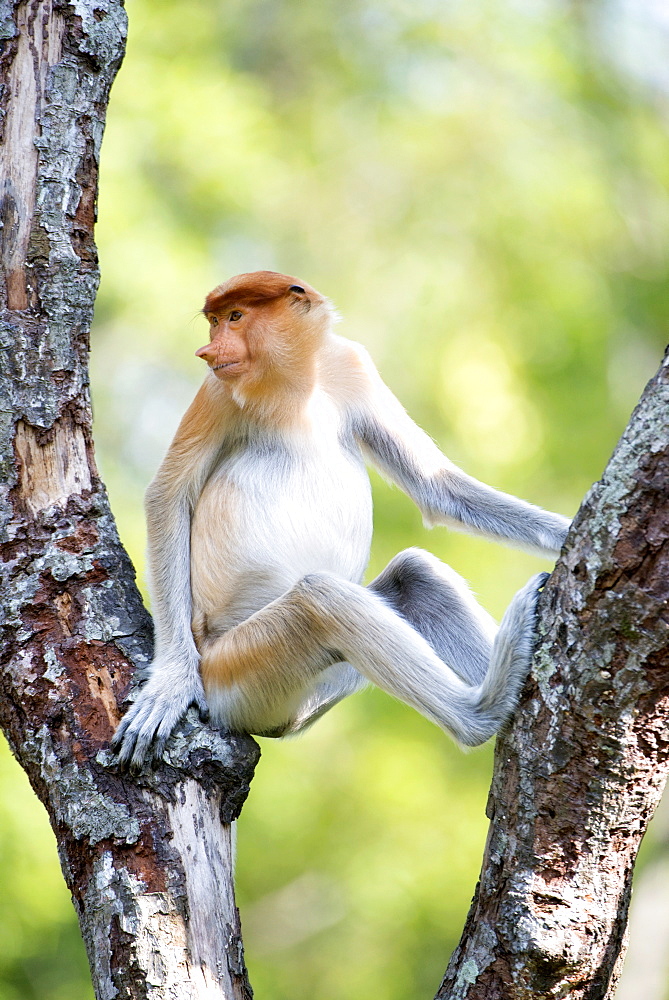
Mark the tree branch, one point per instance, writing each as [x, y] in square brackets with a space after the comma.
[580, 772]
[149, 864]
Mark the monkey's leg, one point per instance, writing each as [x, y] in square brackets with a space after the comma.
[425, 592]
[263, 665]
[439, 604]
[458, 633]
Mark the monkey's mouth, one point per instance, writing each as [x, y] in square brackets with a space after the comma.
[226, 364]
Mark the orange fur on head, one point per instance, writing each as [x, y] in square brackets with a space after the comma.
[255, 288]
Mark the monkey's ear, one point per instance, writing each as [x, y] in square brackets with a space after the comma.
[298, 292]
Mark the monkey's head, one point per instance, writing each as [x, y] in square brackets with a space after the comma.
[266, 329]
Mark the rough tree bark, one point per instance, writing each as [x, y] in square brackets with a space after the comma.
[580, 772]
[149, 861]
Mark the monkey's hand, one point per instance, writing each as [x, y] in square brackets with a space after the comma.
[170, 690]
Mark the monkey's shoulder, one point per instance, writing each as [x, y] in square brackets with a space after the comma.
[346, 371]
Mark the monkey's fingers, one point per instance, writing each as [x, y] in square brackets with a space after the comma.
[171, 715]
[143, 752]
[163, 734]
[122, 728]
[143, 733]
[136, 730]
[136, 740]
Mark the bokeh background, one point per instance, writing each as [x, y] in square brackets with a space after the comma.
[481, 188]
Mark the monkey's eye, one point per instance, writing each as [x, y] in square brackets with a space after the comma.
[235, 315]
[213, 320]
[296, 288]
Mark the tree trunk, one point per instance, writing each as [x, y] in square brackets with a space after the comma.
[149, 863]
[579, 774]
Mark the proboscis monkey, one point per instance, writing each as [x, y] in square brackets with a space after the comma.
[259, 525]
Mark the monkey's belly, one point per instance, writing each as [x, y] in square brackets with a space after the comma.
[258, 529]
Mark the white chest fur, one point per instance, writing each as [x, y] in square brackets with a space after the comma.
[275, 509]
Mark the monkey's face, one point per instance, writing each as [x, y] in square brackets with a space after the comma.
[227, 353]
[264, 328]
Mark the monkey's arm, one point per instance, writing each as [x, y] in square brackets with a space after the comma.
[444, 494]
[174, 681]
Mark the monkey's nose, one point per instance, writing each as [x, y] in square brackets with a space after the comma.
[207, 353]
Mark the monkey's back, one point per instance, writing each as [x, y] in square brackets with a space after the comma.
[279, 505]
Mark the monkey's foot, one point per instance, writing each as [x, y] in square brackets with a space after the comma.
[147, 725]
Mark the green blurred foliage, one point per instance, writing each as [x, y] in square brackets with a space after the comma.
[481, 188]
